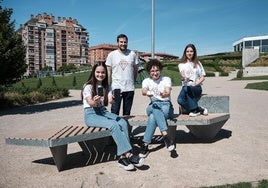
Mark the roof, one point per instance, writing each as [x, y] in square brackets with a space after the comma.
[263, 37]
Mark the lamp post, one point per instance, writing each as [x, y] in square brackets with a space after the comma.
[152, 42]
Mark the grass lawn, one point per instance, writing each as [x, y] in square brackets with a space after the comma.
[81, 78]
[258, 85]
[259, 184]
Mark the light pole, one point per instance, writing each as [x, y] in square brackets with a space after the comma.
[152, 44]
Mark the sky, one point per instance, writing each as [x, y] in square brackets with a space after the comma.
[211, 25]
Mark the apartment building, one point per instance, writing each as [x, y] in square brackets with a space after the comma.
[52, 44]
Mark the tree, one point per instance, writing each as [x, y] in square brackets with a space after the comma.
[74, 81]
[12, 50]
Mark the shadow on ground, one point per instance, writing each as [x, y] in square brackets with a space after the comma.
[40, 107]
[188, 138]
[101, 153]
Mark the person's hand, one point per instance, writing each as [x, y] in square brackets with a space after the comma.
[111, 99]
[191, 83]
[164, 94]
[149, 93]
[96, 98]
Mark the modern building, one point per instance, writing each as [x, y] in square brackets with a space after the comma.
[100, 52]
[51, 44]
[255, 42]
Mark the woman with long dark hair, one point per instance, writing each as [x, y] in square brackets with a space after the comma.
[96, 94]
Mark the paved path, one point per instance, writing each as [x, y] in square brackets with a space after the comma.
[239, 153]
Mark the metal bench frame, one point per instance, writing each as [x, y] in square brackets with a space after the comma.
[57, 139]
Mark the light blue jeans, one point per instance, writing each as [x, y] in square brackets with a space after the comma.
[189, 96]
[158, 112]
[101, 117]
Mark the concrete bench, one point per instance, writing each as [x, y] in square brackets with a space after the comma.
[57, 139]
[206, 127]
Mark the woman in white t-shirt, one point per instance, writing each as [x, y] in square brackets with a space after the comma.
[193, 75]
[95, 95]
[158, 89]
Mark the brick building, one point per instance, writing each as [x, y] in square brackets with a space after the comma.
[51, 44]
[99, 53]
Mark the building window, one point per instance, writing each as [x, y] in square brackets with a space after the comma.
[265, 42]
[248, 44]
[256, 43]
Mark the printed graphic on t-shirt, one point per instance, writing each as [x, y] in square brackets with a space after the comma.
[156, 91]
[189, 72]
[123, 64]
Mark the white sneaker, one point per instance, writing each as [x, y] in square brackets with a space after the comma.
[194, 113]
[204, 111]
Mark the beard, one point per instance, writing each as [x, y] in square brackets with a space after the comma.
[123, 48]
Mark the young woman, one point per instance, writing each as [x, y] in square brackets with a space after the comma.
[193, 75]
[96, 95]
[158, 89]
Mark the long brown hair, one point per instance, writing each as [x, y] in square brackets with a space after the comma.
[93, 81]
[194, 59]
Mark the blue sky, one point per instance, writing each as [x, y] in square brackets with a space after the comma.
[212, 25]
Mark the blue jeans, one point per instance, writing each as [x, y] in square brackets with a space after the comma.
[101, 117]
[158, 112]
[127, 97]
[189, 96]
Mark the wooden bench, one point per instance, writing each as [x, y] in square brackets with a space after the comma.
[57, 139]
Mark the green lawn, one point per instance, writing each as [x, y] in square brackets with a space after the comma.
[258, 184]
[81, 78]
[258, 85]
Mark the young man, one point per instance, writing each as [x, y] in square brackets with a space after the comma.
[122, 72]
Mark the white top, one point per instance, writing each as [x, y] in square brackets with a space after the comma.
[87, 92]
[122, 69]
[157, 86]
[190, 72]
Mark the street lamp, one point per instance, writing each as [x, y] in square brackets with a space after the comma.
[152, 44]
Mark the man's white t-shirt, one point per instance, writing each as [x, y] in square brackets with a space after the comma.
[122, 69]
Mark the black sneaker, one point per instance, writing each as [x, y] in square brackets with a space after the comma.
[144, 151]
[136, 160]
[203, 111]
[170, 146]
[195, 113]
[125, 164]
[182, 110]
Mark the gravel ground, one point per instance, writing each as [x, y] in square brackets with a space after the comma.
[238, 153]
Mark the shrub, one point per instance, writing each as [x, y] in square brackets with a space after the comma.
[224, 74]
[210, 74]
[39, 83]
[239, 74]
[74, 81]
[53, 81]
[10, 97]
